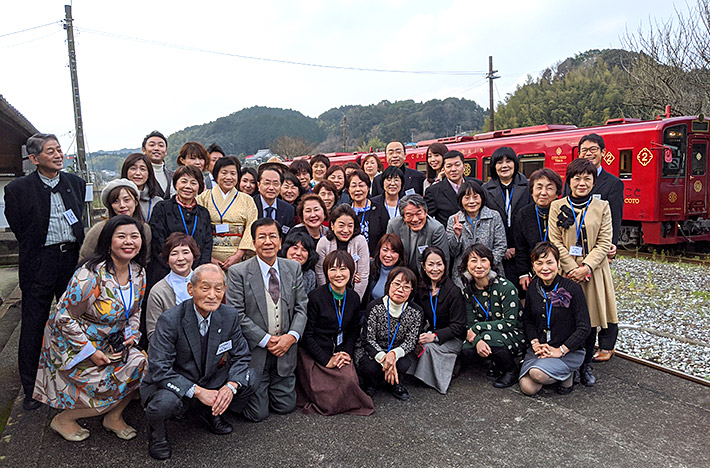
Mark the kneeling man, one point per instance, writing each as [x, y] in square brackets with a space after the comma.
[199, 358]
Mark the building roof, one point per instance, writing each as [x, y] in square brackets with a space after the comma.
[14, 115]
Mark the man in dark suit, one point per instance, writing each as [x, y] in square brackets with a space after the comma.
[155, 148]
[268, 293]
[268, 205]
[442, 197]
[198, 357]
[413, 180]
[610, 188]
[44, 211]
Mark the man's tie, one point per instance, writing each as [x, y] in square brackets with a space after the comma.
[269, 211]
[204, 326]
[274, 288]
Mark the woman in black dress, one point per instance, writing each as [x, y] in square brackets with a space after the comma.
[556, 323]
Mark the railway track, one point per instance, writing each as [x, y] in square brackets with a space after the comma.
[691, 258]
[662, 368]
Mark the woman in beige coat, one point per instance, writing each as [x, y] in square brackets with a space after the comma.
[580, 227]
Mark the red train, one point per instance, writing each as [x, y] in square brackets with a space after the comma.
[663, 164]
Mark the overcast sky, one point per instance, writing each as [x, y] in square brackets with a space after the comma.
[131, 85]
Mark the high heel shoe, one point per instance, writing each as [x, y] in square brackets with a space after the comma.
[78, 436]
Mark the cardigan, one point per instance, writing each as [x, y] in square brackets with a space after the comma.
[569, 326]
[375, 338]
[160, 299]
[357, 247]
[321, 332]
[450, 312]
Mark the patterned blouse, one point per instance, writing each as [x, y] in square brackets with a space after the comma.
[402, 333]
[494, 315]
[237, 211]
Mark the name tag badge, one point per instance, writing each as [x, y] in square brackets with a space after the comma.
[339, 339]
[224, 347]
[409, 191]
[127, 332]
[356, 257]
[576, 251]
[422, 248]
[221, 228]
[549, 336]
[70, 217]
[597, 196]
[285, 229]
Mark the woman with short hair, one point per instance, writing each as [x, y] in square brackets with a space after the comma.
[372, 166]
[312, 212]
[299, 246]
[194, 154]
[389, 253]
[328, 192]
[372, 216]
[337, 175]
[392, 183]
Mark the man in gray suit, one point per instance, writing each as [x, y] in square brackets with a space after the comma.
[417, 230]
[268, 293]
[198, 357]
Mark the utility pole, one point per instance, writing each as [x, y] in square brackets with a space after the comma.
[80, 146]
[345, 134]
[491, 76]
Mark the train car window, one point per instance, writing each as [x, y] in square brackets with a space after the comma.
[486, 173]
[626, 160]
[469, 167]
[674, 152]
[530, 163]
[698, 158]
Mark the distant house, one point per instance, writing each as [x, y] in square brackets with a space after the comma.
[15, 129]
[261, 156]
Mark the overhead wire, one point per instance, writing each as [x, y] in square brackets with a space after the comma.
[30, 29]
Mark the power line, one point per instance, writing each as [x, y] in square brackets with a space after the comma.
[272, 60]
[31, 40]
[30, 29]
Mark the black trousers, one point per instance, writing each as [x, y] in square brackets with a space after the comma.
[607, 336]
[501, 357]
[165, 404]
[371, 371]
[589, 346]
[51, 279]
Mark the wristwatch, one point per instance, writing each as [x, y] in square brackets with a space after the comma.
[232, 388]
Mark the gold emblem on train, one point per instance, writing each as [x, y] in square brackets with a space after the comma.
[467, 169]
[672, 197]
[644, 157]
[558, 151]
[697, 186]
[608, 158]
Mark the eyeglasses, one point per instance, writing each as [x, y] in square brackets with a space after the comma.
[590, 150]
[404, 287]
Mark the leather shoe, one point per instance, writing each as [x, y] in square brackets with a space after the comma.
[400, 392]
[506, 380]
[216, 424]
[30, 404]
[370, 391]
[493, 371]
[586, 377]
[564, 390]
[158, 446]
[603, 355]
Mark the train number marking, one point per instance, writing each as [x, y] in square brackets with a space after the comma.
[672, 197]
[644, 157]
[609, 158]
[632, 201]
[697, 186]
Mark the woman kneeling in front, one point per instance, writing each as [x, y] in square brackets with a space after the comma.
[556, 324]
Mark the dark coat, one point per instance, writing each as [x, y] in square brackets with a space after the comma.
[442, 200]
[526, 235]
[321, 332]
[164, 221]
[175, 353]
[450, 312]
[496, 201]
[27, 212]
[375, 222]
[569, 325]
[609, 188]
[285, 213]
[169, 190]
[412, 180]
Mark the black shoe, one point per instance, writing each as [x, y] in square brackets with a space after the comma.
[370, 391]
[493, 371]
[564, 390]
[457, 370]
[215, 424]
[576, 378]
[400, 392]
[586, 377]
[30, 404]
[158, 446]
[506, 380]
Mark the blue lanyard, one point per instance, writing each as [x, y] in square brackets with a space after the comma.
[539, 226]
[194, 226]
[150, 204]
[339, 313]
[396, 208]
[485, 311]
[509, 202]
[221, 214]
[389, 348]
[434, 305]
[362, 211]
[470, 223]
[577, 227]
[548, 306]
[120, 291]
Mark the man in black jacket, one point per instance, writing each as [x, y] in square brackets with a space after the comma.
[268, 205]
[413, 180]
[44, 211]
[442, 197]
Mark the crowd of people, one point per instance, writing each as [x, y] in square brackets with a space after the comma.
[218, 288]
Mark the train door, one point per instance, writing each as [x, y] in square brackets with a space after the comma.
[697, 186]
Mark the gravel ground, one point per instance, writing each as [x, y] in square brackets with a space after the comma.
[664, 312]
